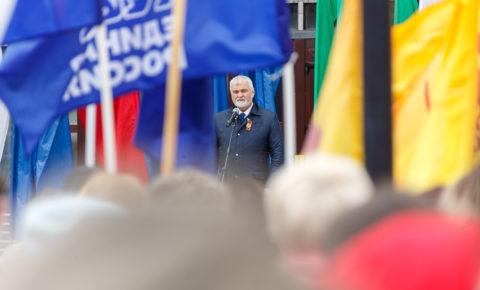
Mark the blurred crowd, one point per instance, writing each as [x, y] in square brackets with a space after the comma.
[321, 224]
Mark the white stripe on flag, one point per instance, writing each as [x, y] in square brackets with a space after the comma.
[4, 120]
[6, 11]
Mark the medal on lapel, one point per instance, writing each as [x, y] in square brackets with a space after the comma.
[249, 124]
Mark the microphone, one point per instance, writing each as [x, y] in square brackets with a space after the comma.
[234, 116]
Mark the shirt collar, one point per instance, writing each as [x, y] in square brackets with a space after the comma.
[247, 111]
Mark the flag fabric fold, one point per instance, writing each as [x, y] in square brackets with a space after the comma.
[403, 10]
[196, 135]
[29, 76]
[220, 93]
[265, 82]
[435, 96]
[4, 124]
[20, 19]
[130, 159]
[47, 166]
[327, 12]
[4, 120]
[337, 123]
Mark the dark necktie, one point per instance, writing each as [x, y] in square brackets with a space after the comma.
[242, 117]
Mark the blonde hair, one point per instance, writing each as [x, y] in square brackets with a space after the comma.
[188, 187]
[301, 201]
[119, 188]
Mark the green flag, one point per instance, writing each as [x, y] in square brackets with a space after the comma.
[339, 7]
[404, 9]
[327, 11]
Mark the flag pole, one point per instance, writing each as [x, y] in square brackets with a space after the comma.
[173, 92]
[106, 97]
[90, 138]
[289, 122]
[377, 92]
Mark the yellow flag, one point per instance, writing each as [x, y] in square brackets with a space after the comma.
[337, 125]
[435, 100]
[435, 95]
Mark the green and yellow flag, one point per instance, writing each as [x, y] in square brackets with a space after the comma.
[327, 11]
[403, 10]
[435, 103]
[337, 125]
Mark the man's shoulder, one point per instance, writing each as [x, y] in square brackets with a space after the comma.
[222, 114]
[266, 113]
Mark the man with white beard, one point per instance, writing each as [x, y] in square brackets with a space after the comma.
[252, 133]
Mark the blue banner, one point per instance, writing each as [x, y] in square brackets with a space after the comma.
[43, 78]
[265, 82]
[220, 93]
[196, 134]
[46, 167]
[20, 19]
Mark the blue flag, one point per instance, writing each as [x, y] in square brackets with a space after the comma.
[265, 82]
[41, 79]
[196, 136]
[220, 93]
[20, 19]
[46, 167]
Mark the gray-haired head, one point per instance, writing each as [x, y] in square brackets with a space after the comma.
[303, 200]
[241, 79]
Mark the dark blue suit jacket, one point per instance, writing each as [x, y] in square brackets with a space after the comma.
[250, 150]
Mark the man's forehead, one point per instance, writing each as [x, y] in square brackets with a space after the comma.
[240, 85]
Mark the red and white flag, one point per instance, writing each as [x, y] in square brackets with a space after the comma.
[130, 159]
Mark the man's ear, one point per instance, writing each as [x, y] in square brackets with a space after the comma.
[253, 93]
